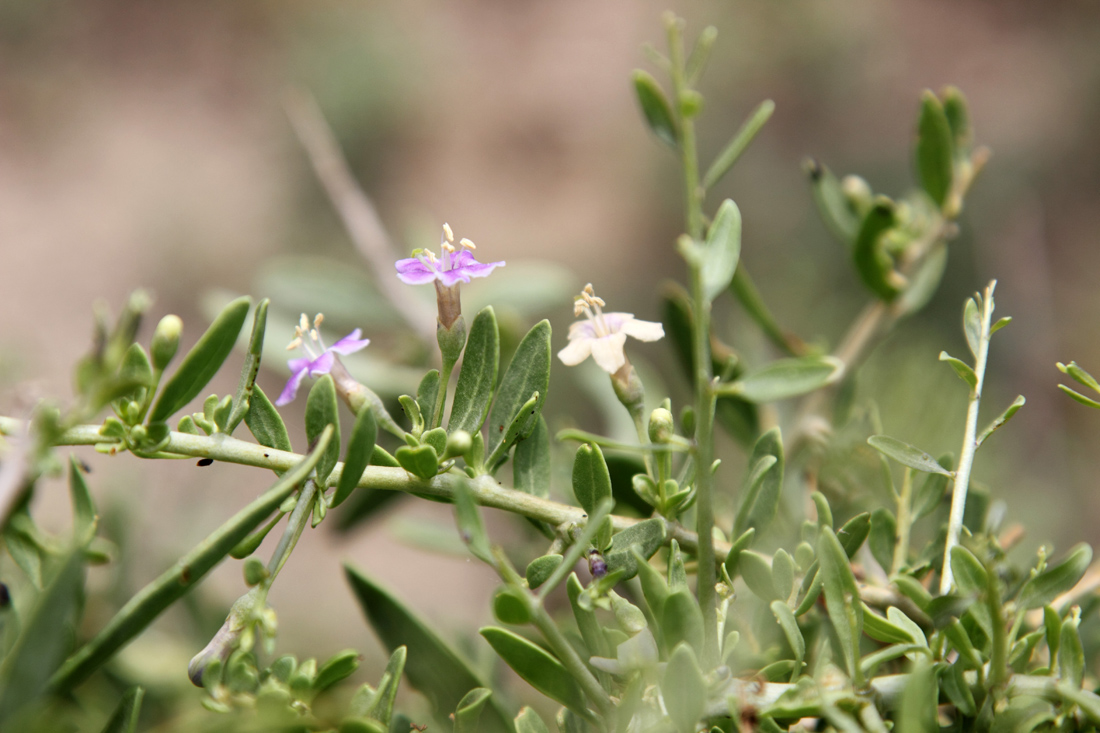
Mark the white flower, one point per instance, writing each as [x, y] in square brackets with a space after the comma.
[602, 335]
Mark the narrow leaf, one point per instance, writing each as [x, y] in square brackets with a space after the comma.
[642, 539]
[838, 215]
[965, 372]
[537, 667]
[684, 689]
[426, 393]
[468, 714]
[125, 717]
[432, 666]
[655, 107]
[251, 368]
[531, 469]
[1001, 419]
[842, 600]
[470, 526]
[1053, 582]
[789, 624]
[873, 263]
[591, 480]
[84, 512]
[682, 620]
[906, 454]
[736, 146]
[528, 721]
[266, 424]
[360, 449]
[935, 149]
[721, 250]
[381, 705]
[757, 573]
[478, 375]
[1079, 397]
[528, 373]
[733, 558]
[972, 325]
[970, 575]
[760, 498]
[321, 411]
[202, 362]
[1079, 375]
[785, 378]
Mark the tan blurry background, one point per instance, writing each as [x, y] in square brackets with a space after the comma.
[144, 144]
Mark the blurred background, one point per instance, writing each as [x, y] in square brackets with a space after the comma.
[146, 145]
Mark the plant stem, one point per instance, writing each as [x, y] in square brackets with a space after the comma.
[905, 521]
[294, 527]
[969, 444]
[441, 393]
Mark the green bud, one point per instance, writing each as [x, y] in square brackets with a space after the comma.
[254, 572]
[662, 426]
[629, 389]
[687, 420]
[859, 194]
[458, 444]
[166, 340]
[451, 340]
[629, 617]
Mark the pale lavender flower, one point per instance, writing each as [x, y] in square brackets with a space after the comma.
[448, 269]
[602, 335]
[320, 359]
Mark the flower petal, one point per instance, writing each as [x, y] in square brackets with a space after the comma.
[450, 278]
[290, 391]
[298, 365]
[350, 343]
[576, 352]
[470, 267]
[608, 352]
[414, 272]
[322, 364]
[643, 330]
[582, 329]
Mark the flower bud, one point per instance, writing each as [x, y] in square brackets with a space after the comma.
[451, 338]
[254, 572]
[629, 389]
[857, 192]
[458, 444]
[166, 340]
[662, 426]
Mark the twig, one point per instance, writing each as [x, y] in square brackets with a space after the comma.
[355, 208]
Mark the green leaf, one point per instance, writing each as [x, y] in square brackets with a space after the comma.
[470, 526]
[935, 149]
[591, 480]
[381, 705]
[760, 497]
[853, 533]
[580, 545]
[1001, 419]
[881, 630]
[924, 282]
[789, 624]
[721, 249]
[684, 689]
[917, 711]
[785, 378]
[1071, 656]
[682, 620]
[758, 575]
[655, 107]
[43, 639]
[962, 369]
[360, 449]
[528, 721]
[433, 667]
[1053, 582]
[528, 373]
[136, 368]
[420, 461]
[592, 633]
[202, 361]
[338, 667]
[957, 690]
[321, 411]
[27, 555]
[733, 558]
[883, 536]
[842, 600]
[931, 491]
[1001, 323]
[1079, 397]
[478, 375]
[972, 325]
[906, 454]
[251, 368]
[641, 539]
[654, 587]
[1079, 375]
[125, 717]
[171, 585]
[265, 422]
[832, 205]
[872, 261]
[84, 512]
[736, 146]
[426, 393]
[537, 667]
[468, 714]
[531, 469]
[971, 576]
[540, 569]
[958, 119]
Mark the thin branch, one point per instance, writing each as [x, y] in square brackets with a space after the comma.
[356, 210]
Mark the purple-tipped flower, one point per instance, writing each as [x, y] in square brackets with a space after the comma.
[446, 270]
[320, 359]
[603, 335]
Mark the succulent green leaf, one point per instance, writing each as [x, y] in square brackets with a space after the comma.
[733, 558]
[785, 378]
[338, 667]
[682, 620]
[883, 535]
[881, 630]
[842, 600]
[906, 454]
[954, 686]
[1001, 419]
[760, 497]
[432, 666]
[426, 393]
[202, 361]
[360, 449]
[470, 526]
[958, 119]
[1079, 375]
[540, 569]
[242, 400]
[468, 714]
[591, 479]
[838, 215]
[654, 587]
[266, 424]
[999, 324]
[580, 545]
[970, 575]
[509, 607]
[537, 667]
[125, 717]
[972, 325]
[321, 411]
[757, 573]
[420, 461]
[930, 493]
[1079, 397]
[965, 372]
[684, 689]
[528, 373]
[655, 107]
[477, 378]
[935, 149]
[789, 624]
[592, 633]
[853, 533]
[171, 585]
[531, 469]
[528, 721]
[721, 249]
[736, 146]
[641, 539]
[1071, 656]
[380, 707]
[1053, 582]
[872, 261]
[84, 511]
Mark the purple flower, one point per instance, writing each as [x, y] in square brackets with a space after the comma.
[319, 359]
[449, 269]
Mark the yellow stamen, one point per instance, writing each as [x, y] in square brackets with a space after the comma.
[448, 247]
[467, 243]
[304, 323]
[313, 334]
[447, 231]
[318, 320]
[294, 344]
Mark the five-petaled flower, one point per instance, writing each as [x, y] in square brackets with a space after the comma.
[602, 335]
[446, 270]
[320, 359]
